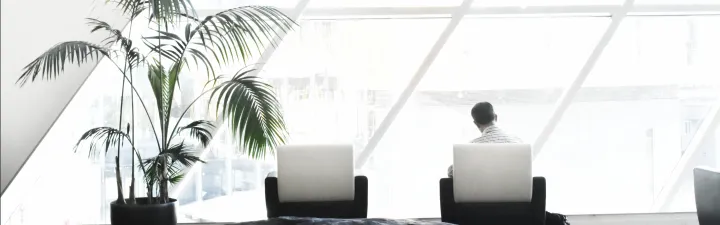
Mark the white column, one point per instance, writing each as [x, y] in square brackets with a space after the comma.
[457, 16]
[569, 94]
[198, 179]
[228, 177]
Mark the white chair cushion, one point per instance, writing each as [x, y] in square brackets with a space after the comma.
[492, 172]
[310, 173]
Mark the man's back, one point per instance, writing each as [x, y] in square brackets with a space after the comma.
[494, 134]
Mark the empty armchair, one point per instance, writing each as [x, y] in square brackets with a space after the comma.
[492, 184]
[707, 195]
[316, 181]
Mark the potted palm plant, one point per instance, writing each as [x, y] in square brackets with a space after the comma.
[246, 104]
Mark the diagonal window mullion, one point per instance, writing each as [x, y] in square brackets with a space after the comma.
[567, 97]
[686, 163]
[457, 16]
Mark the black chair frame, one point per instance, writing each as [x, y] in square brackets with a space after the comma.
[493, 213]
[353, 209]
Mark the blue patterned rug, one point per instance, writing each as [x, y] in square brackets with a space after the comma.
[316, 221]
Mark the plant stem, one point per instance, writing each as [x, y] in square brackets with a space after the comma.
[150, 193]
[163, 165]
[164, 182]
[131, 198]
[147, 113]
[121, 198]
[118, 175]
[132, 164]
[132, 115]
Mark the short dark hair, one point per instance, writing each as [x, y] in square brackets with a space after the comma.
[483, 113]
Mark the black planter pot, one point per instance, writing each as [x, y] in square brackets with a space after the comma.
[143, 213]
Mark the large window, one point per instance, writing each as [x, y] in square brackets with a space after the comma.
[520, 65]
[336, 80]
[634, 117]
[616, 149]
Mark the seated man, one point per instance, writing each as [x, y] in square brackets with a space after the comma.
[484, 118]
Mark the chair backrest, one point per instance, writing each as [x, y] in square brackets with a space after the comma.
[707, 195]
[492, 172]
[315, 173]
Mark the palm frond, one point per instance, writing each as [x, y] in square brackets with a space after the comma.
[230, 36]
[134, 57]
[162, 11]
[252, 111]
[176, 178]
[99, 25]
[153, 174]
[132, 54]
[202, 130]
[158, 78]
[51, 63]
[104, 136]
[174, 50]
[129, 6]
[163, 85]
[176, 157]
[239, 33]
[181, 153]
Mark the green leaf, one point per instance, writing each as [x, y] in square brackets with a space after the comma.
[162, 11]
[115, 34]
[158, 79]
[104, 136]
[176, 178]
[253, 113]
[181, 153]
[163, 85]
[50, 64]
[202, 130]
[232, 32]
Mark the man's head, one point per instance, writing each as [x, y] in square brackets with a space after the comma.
[483, 115]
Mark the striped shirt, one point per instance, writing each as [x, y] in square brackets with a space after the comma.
[492, 134]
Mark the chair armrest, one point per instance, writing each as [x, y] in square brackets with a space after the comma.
[361, 197]
[272, 198]
[447, 200]
[539, 199]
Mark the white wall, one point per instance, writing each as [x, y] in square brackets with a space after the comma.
[28, 29]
